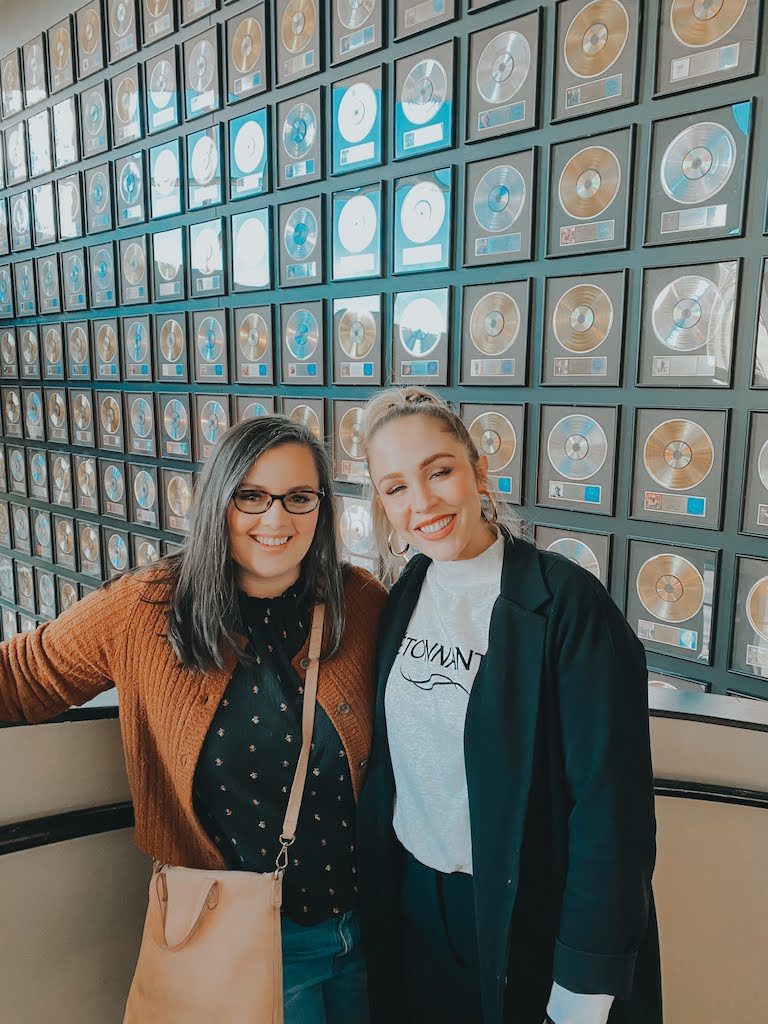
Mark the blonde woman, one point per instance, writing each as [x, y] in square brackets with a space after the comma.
[506, 829]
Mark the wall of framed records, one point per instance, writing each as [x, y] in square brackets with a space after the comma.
[554, 212]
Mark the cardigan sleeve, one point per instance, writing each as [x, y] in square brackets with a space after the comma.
[68, 661]
[602, 684]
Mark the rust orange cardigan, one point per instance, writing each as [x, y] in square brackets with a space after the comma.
[116, 636]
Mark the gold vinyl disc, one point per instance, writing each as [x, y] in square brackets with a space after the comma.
[12, 407]
[179, 495]
[298, 24]
[106, 343]
[67, 595]
[757, 607]
[357, 332]
[88, 32]
[247, 43]
[351, 433]
[678, 454]
[495, 437]
[304, 414]
[110, 415]
[126, 99]
[590, 182]
[596, 38]
[494, 323]
[253, 337]
[670, 587]
[703, 22]
[61, 48]
[81, 412]
[582, 318]
[155, 8]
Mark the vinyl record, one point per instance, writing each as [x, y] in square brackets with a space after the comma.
[76, 271]
[67, 594]
[298, 24]
[52, 345]
[130, 183]
[354, 13]
[175, 420]
[251, 252]
[69, 201]
[698, 23]
[114, 484]
[146, 552]
[351, 433]
[77, 344]
[109, 415]
[57, 411]
[698, 162]
[494, 323]
[253, 411]
[247, 43]
[14, 142]
[102, 268]
[48, 278]
[422, 324]
[503, 67]
[356, 529]
[357, 332]
[38, 468]
[670, 587]
[596, 38]
[33, 66]
[494, 437]
[201, 66]
[213, 421]
[422, 212]
[34, 405]
[162, 84]
[357, 223]
[304, 414]
[155, 8]
[678, 454]
[167, 262]
[687, 312]
[11, 78]
[141, 417]
[762, 465]
[206, 252]
[302, 334]
[165, 174]
[43, 530]
[577, 447]
[757, 607]
[179, 495]
[98, 192]
[8, 348]
[62, 478]
[583, 318]
[300, 234]
[134, 264]
[253, 337]
[499, 198]
[171, 340]
[95, 113]
[249, 146]
[86, 479]
[210, 339]
[20, 523]
[17, 467]
[29, 347]
[61, 48]
[205, 160]
[89, 32]
[121, 17]
[20, 216]
[299, 130]
[82, 413]
[65, 537]
[126, 100]
[144, 489]
[424, 91]
[26, 582]
[357, 112]
[589, 182]
[117, 552]
[577, 551]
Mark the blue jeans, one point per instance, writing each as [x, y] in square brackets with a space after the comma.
[324, 972]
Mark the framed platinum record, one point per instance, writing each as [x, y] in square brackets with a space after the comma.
[87, 484]
[596, 56]
[175, 419]
[577, 458]
[589, 550]
[161, 91]
[503, 84]
[698, 175]
[253, 344]
[250, 406]
[302, 342]
[687, 326]
[130, 190]
[46, 593]
[754, 513]
[33, 58]
[749, 637]
[171, 362]
[205, 167]
[75, 280]
[251, 234]
[590, 182]
[101, 262]
[422, 225]
[53, 352]
[165, 179]
[94, 120]
[202, 82]
[309, 411]
[177, 487]
[584, 329]
[299, 151]
[122, 29]
[357, 340]
[494, 337]
[116, 551]
[140, 424]
[60, 477]
[499, 434]
[356, 28]
[143, 495]
[212, 420]
[349, 464]
[137, 347]
[420, 336]
[670, 598]
[499, 202]
[158, 19]
[301, 242]
[424, 101]
[211, 361]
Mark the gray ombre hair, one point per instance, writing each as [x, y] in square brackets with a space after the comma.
[395, 404]
[204, 618]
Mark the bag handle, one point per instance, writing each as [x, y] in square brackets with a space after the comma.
[288, 835]
[206, 902]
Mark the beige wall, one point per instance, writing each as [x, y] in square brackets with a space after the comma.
[22, 19]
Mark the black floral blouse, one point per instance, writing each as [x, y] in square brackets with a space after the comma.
[248, 760]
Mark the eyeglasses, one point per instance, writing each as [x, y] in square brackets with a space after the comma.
[298, 503]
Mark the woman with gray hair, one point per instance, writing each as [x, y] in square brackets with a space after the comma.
[208, 651]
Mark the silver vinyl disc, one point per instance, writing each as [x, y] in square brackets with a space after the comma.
[357, 224]
[137, 341]
[503, 67]
[109, 414]
[77, 344]
[34, 406]
[65, 537]
[29, 347]
[253, 411]
[20, 523]
[14, 148]
[75, 271]
[106, 343]
[94, 112]
[495, 437]
[499, 198]
[207, 251]
[253, 337]
[103, 268]
[300, 234]
[357, 112]
[25, 283]
[201, 66]
[686, 312]
[8, 348]
[304, 414]
[422, 325]
[424, 91]
[162, 84]
[98, 191]
[356, 529]
[38, 468]
[154, 8]
[134, 266]
[357, 332]
[141, 417]
[146, 552]
[89, 32]
[130, 183]
[165, 173]
[117, 552]
[698, 163]
[20, 215]
[205, 160]
[43, 530]
[422, 212]
[126, 100]
[494, 323]
[17, 467]
[121, 16]
[762, 465]
[48, 277]
[57, 412]
[577, 551]
[299, 130]
[302, 334]
[670, 587]
[171, 340]
[175, 419]
[577, 447]
[86, 478]
[114, 483]
[354, 13]
[351, 433]
[62, 478]
[249, 147]
[179, 495]
[82, 413]
[251, 252]
[33, 66]
[144, 489]
[47, 590]
[757, 607]
[213, 421]
[67, 595]
[210, 339]
[26, 582]
[61, 48]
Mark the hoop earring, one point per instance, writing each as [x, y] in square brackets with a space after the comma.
[494, 510]
[397, 554]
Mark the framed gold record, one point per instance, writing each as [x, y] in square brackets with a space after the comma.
[308, 411]
[584, 330]
[247, 60]
[89, 30]
[498, 433]
[10, 84]
[254, 344]
[297, 30]
[349, 465]
[749, 631]
[357, 340]
[495, 333]
[177, 486]
[61, 64]
[35, 68]
[158, 18]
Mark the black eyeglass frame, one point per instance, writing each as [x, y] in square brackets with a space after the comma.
[281, 498]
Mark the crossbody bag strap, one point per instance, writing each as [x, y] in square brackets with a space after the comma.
[307, 722]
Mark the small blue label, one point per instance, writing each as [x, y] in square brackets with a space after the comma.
[504, 484]
[592, 495]
[696, 506]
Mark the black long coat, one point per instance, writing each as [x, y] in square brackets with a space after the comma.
[558, 763]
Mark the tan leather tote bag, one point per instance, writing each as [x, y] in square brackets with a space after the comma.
[211, 952]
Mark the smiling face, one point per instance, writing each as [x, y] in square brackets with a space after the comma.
[429, 489]
[268, 549]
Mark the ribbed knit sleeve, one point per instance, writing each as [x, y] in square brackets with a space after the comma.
[70, 660]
